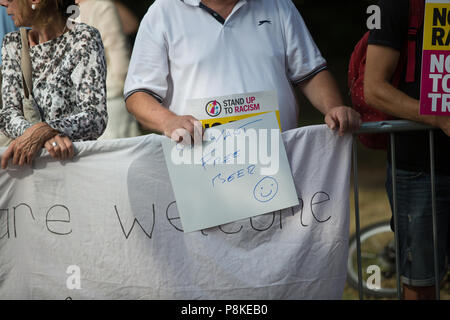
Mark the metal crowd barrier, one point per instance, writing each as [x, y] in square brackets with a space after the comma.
[392, 127]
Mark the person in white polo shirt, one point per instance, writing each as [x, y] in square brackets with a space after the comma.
[189, 49]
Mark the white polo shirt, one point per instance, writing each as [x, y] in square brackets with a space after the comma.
[184, 50]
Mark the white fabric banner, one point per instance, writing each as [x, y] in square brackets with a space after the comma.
[106, 226]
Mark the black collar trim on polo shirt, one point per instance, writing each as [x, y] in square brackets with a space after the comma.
[217, 16]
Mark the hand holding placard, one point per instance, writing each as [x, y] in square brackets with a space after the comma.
[240, 171]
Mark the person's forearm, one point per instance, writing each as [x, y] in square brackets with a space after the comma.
[322, 91]
[44, 132]
[148, 111]
[381, 65]
[388, 99]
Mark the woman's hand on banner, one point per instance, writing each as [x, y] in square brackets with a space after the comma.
[343, 119]
[23, 150]
[60, 147]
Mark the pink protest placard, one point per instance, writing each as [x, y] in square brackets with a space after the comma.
[435, 88]
[435, 82]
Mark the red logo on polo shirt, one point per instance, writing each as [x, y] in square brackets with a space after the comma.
[213, 108]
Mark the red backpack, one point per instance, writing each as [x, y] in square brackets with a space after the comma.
[356, 74]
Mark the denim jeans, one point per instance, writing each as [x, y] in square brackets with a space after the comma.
[415, 226]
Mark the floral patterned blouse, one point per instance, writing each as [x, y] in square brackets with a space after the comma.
[69, 84]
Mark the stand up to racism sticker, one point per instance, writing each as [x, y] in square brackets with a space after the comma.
[215, 111]
[435, 86]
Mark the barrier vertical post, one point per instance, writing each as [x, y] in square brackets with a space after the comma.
[392, 127]
[433, 212]
[395, 211]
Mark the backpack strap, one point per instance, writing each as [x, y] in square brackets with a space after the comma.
[25, 63]
[416, 16]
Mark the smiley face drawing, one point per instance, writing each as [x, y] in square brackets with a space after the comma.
[266, 189]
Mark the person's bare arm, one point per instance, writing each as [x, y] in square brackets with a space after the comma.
[154, 116]
[323, 93]
[381, 63]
